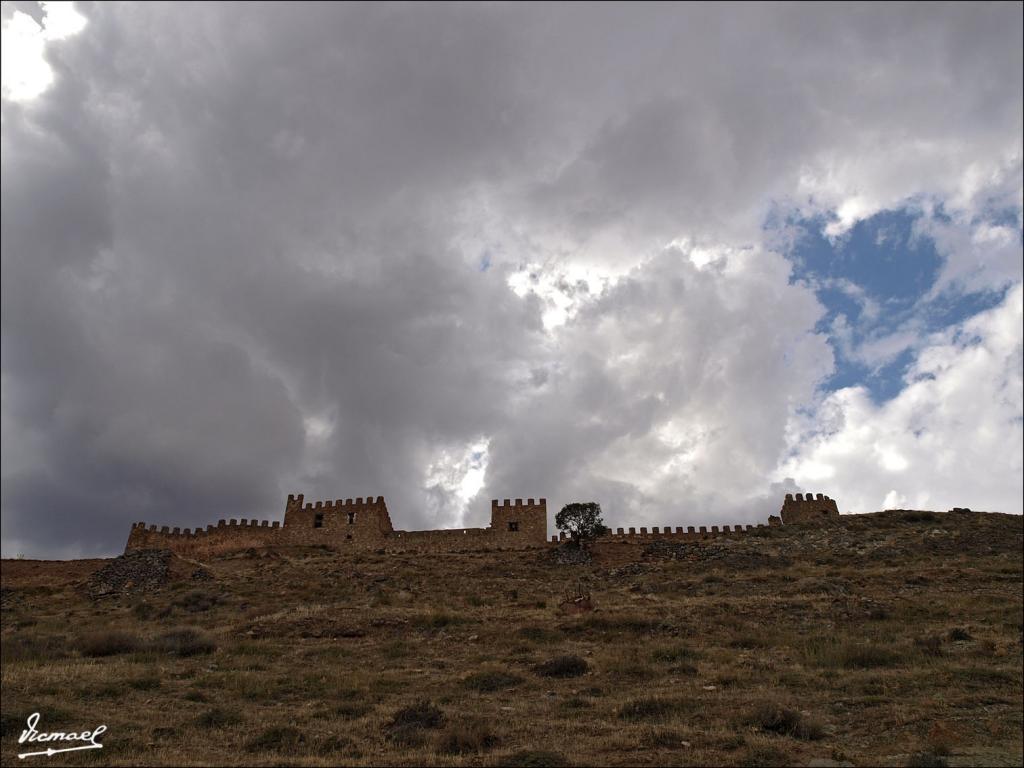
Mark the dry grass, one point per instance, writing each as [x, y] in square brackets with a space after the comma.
[886, 640]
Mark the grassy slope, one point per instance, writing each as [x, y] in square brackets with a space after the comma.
[691, 661]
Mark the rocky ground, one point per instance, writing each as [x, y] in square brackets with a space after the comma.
[889, 639]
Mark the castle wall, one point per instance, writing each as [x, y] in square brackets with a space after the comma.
[644, 535]
[529, 518]
[514, 525]
[807, 508]
[364, 523]
[226, 536]
[350, 523]
[359, 523]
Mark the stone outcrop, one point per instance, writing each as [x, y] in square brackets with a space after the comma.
[140, 571]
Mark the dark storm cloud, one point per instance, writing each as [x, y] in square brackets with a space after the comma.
[242, 248]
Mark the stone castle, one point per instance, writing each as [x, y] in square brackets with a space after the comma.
[365, 524]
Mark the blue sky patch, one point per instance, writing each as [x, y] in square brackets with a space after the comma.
[874, 283]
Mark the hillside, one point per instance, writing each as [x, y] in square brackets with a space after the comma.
[886, 639]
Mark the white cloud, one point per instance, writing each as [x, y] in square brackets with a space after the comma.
[26, 72]
[952, 437]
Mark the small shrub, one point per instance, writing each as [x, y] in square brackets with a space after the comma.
[437, 620]
[576, 702]
[33, 648]
[10, 725]
[491, 681]
[422, 714]
[535, 758]
[684, 669]
[283, 739]
[183, 642]
[981, 677]
[765, 757]
[333, 743]
[749, 642]
[197, 601]
[538, 634]
[850, 655]
[959, 634]
[626, 623]
[352, 710]
[919, 517]
[218, 717]
[929, 645]
[629, 667]
[926, 760]
[407, 723]
[776, 718]
[466, 738]
[394, 650]
[108, 643]
[661, 738]
[676, 653]
[146, 683]
[195, 695]
[562, 666]
[647, 709]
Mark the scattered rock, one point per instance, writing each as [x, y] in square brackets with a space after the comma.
[9, 598]
[629, 569]
[741, 553]
[568, 554]
[139, 572]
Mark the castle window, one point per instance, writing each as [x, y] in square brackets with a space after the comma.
[318, 520]
[513, 525]
[351, 518]
[348, 536]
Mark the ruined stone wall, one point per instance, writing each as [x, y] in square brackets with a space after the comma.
[807, 508]
[226, 536]
[514, 525]
[644, 535]
[350, 523]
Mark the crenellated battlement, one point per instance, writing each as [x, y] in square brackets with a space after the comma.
[363, 522]
[226, 535]
[678, 533]
[808, 508]
[518, 504]
[232, 523]
[342, 504]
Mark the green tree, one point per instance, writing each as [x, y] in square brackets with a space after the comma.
[581, 520]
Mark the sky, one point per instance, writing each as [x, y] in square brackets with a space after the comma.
[679, 259]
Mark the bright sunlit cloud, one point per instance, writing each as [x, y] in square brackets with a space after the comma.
[26, 73]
